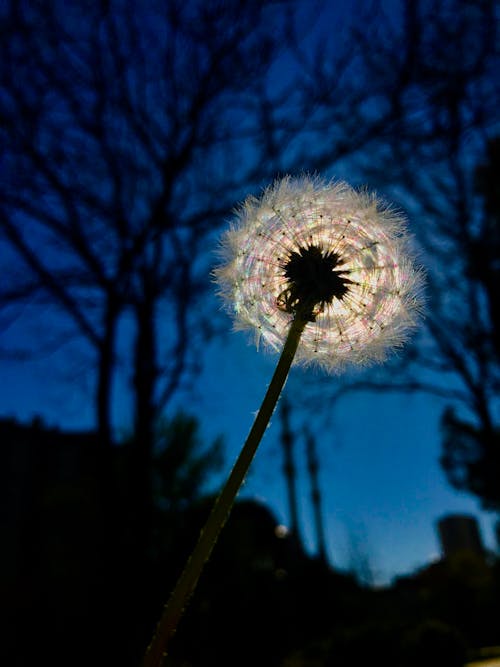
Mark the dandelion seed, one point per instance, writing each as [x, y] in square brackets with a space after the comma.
[334, 256]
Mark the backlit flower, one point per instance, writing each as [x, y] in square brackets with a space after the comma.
[330, 255]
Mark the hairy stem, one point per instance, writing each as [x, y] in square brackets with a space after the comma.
[186, 584]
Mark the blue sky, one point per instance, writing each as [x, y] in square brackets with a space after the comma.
[380, 478]
[381, 483]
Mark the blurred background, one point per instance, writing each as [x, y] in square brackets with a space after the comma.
[367, 529]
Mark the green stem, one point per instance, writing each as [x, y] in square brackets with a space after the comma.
[157, 650]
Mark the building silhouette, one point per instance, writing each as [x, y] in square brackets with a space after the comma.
[459, 533]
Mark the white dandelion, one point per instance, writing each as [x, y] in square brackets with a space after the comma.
[322, 273]
[327, 253]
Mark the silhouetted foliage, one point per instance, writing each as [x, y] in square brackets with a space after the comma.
[262, 599]
[471, 459]
[181, 462]
[435, 644]
[60, 581]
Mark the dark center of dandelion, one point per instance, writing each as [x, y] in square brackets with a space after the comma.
[313, 281]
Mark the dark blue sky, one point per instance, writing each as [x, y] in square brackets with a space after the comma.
[381, 483]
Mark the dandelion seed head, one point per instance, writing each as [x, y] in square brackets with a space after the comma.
[336, 257]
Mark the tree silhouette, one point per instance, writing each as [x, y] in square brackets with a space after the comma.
[440, 139]
[428, 71]
[57, 583]
[181, 463]
[128, 132]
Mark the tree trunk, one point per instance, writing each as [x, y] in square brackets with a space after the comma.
[105, 376]
[145, 377]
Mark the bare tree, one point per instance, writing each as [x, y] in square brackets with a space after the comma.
[429, 74]
[123, 132]
[129, 131]
[471, 447]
